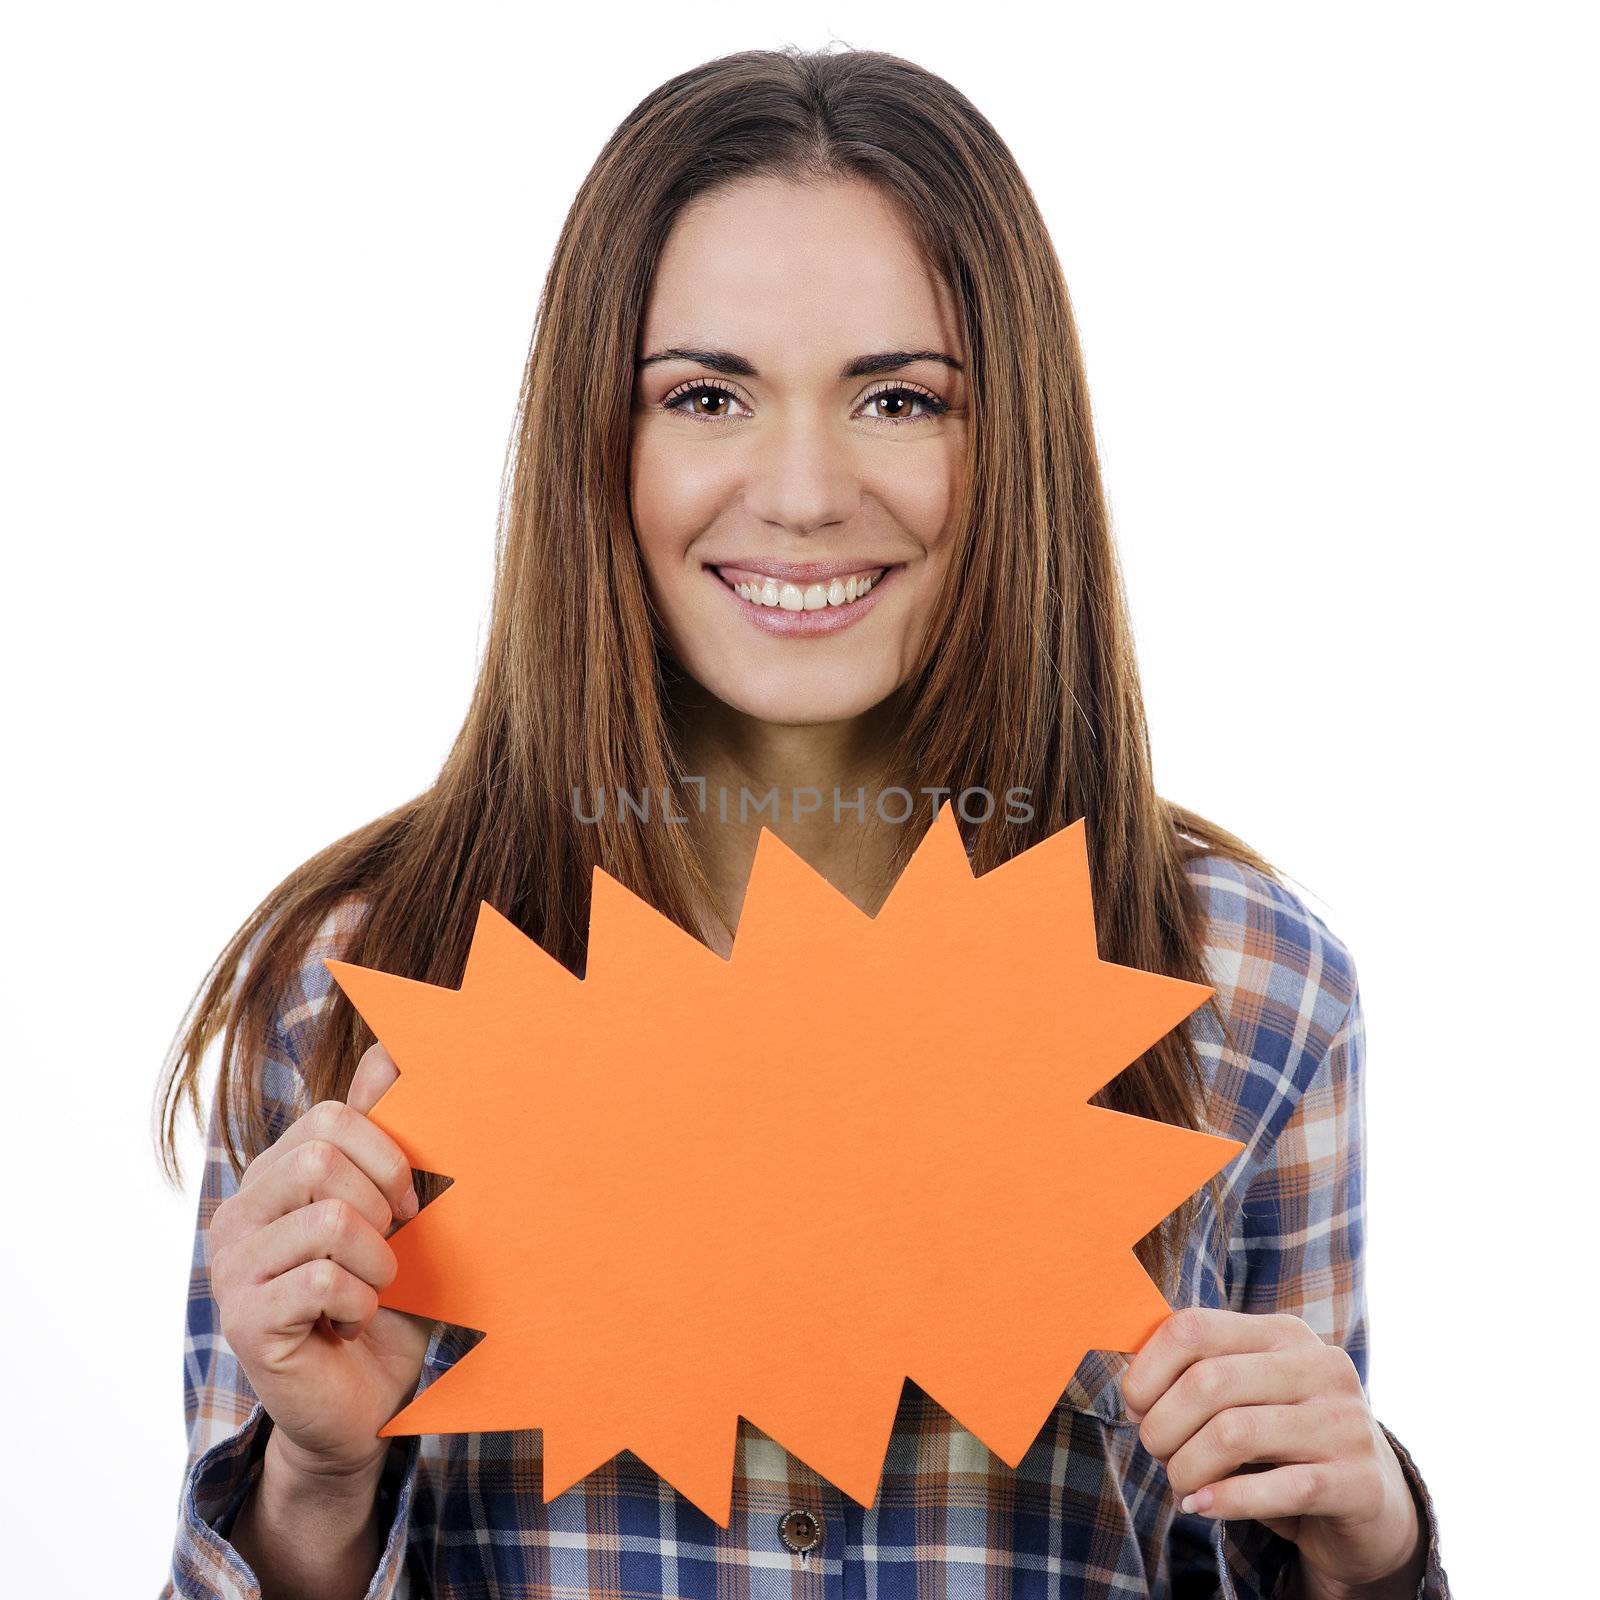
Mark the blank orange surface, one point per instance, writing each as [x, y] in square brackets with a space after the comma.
[689, 1189]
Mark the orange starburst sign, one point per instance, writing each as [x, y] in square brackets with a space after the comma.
[688, 1189]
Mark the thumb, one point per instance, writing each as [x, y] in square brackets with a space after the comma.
[375, 1072]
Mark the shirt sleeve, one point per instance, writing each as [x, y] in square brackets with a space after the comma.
[1298, 1247]
[227, 1425]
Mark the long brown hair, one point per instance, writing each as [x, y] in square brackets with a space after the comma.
[1027, 677]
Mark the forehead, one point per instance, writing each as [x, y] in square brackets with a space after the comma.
[770, 265]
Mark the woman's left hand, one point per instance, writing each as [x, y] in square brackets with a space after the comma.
[1213, 1390]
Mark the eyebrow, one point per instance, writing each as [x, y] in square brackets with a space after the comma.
[736, 366]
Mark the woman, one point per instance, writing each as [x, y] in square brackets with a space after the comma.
[804, 497]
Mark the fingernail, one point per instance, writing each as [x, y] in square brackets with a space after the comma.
[1200, 1501]
[410, 1205]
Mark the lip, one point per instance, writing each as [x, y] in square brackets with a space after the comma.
[801, 572]
[805, 624]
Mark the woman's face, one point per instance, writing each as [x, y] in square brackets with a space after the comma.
[798, 447]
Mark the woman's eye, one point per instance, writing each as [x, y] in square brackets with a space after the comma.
[899, 405]
[709, 401]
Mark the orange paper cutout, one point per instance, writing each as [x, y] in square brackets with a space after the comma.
[688, 1189]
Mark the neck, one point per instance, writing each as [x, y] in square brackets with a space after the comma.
[787, 777]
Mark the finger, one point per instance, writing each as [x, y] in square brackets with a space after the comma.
[1211, 1386]
[304, 1174]
[1192, 1334]
[1276, 1434]
[375, 1073]
[330, 1228]
[291, 1303]
[366, 1144]
[1301, 1489]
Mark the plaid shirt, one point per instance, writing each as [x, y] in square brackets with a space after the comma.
[1088, 1512]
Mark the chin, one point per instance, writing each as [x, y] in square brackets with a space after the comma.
[792, 697]
[798, 707]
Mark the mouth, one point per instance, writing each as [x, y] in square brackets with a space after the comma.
[800, 605]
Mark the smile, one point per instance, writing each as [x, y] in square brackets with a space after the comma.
[801, 609]
[761, 590]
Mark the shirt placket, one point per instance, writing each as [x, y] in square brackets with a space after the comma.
[811, 1529]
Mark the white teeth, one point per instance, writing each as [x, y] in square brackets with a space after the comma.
[791, 597]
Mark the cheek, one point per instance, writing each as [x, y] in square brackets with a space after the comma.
[675, 493]
[920, 493]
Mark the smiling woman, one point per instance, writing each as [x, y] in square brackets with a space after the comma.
[804, 495]
[773, 460]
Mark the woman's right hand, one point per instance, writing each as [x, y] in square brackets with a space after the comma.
[298, 1257]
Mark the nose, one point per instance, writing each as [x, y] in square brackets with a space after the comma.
[801, 476]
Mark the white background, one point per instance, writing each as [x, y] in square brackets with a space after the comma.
[272, 275]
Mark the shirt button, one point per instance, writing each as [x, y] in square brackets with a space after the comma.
[800, 1530]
